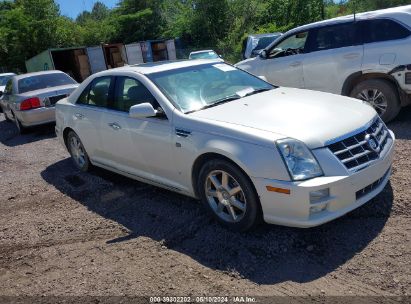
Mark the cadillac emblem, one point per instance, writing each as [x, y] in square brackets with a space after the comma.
[373, 143]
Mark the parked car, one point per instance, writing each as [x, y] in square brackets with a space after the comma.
[254, 44]
[366, 57]
[246, 148]
[3, 80]
[205, 54]
[29, 99]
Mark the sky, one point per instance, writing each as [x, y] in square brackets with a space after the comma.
[72, 8]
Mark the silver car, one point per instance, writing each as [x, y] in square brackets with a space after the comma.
[28, 100]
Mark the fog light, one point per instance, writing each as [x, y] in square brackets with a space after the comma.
[318, 208]
[319, 195]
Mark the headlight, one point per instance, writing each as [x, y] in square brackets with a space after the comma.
[300, 162]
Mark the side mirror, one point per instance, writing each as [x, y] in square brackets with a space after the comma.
[263, 54]
[1, 93]
[142, 110]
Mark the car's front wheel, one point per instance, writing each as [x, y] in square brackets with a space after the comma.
[381, 95]
[77, 152]
[229, 195]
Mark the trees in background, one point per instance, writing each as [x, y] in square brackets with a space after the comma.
[28, 27]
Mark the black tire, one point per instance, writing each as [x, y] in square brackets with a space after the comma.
[6, 117]
[252, 214]
[20, 128]
[82, 166]
[388, 91]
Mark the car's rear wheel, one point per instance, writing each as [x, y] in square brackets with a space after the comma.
[381, 95]
[20, 128]
[77, 152]
[229, 195]
[6, 116]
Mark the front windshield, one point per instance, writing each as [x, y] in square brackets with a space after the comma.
[198, 87]
[4, 79]
[204, 55]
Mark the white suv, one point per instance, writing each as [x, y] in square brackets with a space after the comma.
[367, 57]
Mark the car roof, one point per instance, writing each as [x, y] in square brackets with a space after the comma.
[22, 76]
[202, 51]
[401, 13]
[264, 35]
[154, 67]
[7, 74]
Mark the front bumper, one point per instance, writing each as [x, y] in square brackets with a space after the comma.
[346, 194]
[37, 116]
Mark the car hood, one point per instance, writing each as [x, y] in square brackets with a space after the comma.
[312, 117]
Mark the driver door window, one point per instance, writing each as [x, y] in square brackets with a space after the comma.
[293, 45]
[98, 93]
[130, 92]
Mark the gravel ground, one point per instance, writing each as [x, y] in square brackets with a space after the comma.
[63, 232]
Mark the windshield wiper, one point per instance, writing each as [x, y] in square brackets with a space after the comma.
[258, 91]
[217, 102]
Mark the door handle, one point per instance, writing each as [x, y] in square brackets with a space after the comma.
[351, 55]
[115, 126]
[295, 64]
[79, 116]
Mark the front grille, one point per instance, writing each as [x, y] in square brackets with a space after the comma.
[52, 100]
[363, 192]
[357, 151]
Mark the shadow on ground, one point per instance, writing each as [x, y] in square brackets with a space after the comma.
[401, 125]
[9, 135]
[267, 255]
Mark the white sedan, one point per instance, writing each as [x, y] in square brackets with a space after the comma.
[247, 149]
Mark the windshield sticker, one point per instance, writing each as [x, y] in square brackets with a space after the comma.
[224, 67]
[244, 92]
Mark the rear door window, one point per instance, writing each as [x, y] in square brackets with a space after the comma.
[383, 30]
[334, 37]
[97, 93]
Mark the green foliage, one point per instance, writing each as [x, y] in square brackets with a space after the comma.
[28, 27]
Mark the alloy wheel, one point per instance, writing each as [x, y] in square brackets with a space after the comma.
[77, 151]
[375, 98]
[225, 196]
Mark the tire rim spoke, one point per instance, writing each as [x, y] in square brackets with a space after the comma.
[375, 98]
[236, 203]
[225, 196]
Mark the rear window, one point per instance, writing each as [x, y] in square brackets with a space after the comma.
[383, 30]
[39, 82]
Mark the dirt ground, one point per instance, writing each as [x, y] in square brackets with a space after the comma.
[63, 232]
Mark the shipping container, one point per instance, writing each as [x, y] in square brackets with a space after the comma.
[115, 55]
[151, 51]
[73, 61]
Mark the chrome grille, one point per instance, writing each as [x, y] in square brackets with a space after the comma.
[357, 151]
